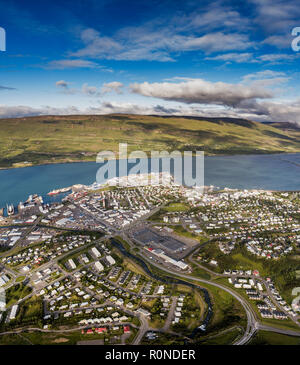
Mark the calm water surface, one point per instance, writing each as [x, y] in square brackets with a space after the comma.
[273, 172]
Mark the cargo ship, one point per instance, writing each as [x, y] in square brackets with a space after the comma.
[58, 191]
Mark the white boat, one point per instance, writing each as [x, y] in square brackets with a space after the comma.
[10, 209]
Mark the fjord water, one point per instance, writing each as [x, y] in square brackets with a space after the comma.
[270, 172]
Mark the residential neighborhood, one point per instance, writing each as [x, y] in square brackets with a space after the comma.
[84, 263]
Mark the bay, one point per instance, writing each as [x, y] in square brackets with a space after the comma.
[270, 172]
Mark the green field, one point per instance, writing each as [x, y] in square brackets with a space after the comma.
[49, 139]
[227, 337]
[271, 338]
[40, 338]
[16, 292]
[228, 312]
[177, 207]
[19, 279]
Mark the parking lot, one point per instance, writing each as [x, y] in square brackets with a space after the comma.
[172, 246]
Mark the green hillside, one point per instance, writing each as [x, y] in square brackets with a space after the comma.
[50, 139]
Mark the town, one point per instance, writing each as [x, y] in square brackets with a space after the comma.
[134, 264]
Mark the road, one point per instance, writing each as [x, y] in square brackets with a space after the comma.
[278, 330]
[142, 331]
[251, 316]
[255, 278]
[170, 314]
[253, 324]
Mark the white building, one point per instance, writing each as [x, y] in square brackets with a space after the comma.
[95, 252]
[2, 300]
[99, 266]
[110, 260]
[13, 312]
[72, 264]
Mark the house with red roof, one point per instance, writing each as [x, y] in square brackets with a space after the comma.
[126, 329]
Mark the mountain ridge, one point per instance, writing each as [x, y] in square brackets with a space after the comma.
[66, 138]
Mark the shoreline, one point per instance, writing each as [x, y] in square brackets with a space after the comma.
[92, 164]
[94, 160]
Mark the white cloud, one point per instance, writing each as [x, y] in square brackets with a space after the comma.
[62, 83]
[115, 86]
[247, 57]
[89, 90]
[216, 15]
[201, 92]
[264, 74]
[275, 58]
[215, 42]
[266, 78]
[64, 87]
[85, 89]
[276, 16]
[72, 63]
[279, 41]
[233, 57]
[278, 111]
[154, 44]
[24, 111]
[213, 27]
[249, 109]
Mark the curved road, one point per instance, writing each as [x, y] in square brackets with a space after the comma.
[252, 323]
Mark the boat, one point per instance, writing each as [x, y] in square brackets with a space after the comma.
[65, 190]
[53, 192]
[29, 199]
[20, 206]
[10, 209]
[59, 191]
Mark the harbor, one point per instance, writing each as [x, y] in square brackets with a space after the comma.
[53, 182]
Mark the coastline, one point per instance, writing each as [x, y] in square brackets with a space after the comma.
[45, 164]
[240, 171]
[94, 160]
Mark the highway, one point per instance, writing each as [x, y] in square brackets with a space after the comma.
[252, 322]
[253, 325]
[251, 316]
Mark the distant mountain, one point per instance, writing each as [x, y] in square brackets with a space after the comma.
[49, 139]
[284, 125]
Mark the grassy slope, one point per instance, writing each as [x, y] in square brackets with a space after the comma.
[51, 139]
[271, 338]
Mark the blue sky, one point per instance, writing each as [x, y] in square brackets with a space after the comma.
[212, 58]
